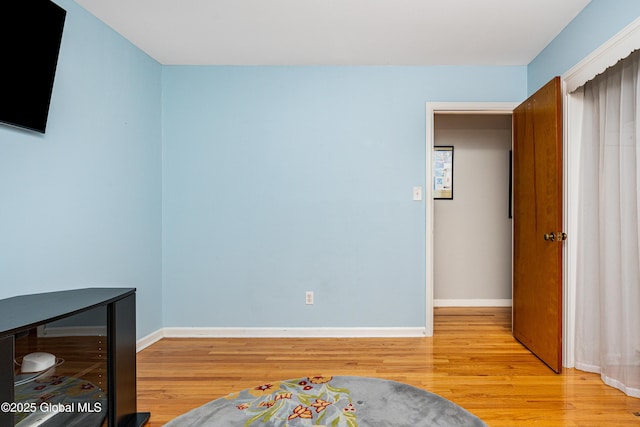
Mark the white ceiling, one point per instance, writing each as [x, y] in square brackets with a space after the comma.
[338, 32]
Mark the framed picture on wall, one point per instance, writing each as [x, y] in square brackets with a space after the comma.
[443, 172]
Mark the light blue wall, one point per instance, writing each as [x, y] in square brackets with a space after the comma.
[81, 205]
[270, 181]
[597, 23]
[279, 180]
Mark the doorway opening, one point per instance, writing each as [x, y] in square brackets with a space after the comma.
[434, 113]
[473, 229]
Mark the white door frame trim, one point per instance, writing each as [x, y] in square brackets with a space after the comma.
[452, 108]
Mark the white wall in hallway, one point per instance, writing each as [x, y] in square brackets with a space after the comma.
[472, 232]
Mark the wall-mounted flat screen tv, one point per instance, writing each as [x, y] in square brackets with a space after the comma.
[30, 37]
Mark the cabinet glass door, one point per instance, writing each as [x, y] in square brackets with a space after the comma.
[60, 372]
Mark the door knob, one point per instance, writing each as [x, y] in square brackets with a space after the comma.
[551, 237]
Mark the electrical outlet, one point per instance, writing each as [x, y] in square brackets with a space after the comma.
[309, 298]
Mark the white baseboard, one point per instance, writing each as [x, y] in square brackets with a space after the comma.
[472, 303]
[294, 332]
[145, 342]
[205, 332]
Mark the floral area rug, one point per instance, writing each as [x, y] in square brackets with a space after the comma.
[331, 402]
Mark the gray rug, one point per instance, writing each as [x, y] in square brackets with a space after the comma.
[331, 402]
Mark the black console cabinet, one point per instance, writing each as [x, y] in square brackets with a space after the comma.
[20, 315]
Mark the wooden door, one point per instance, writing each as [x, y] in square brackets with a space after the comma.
[537, 224]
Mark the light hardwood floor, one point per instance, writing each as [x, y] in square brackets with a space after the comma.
[472, 360]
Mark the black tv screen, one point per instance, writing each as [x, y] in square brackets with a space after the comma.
[30, 37]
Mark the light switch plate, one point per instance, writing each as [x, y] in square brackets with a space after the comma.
[417, 193]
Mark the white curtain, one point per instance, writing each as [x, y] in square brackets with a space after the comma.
[608, 255]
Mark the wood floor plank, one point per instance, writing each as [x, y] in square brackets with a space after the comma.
[472, 360]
